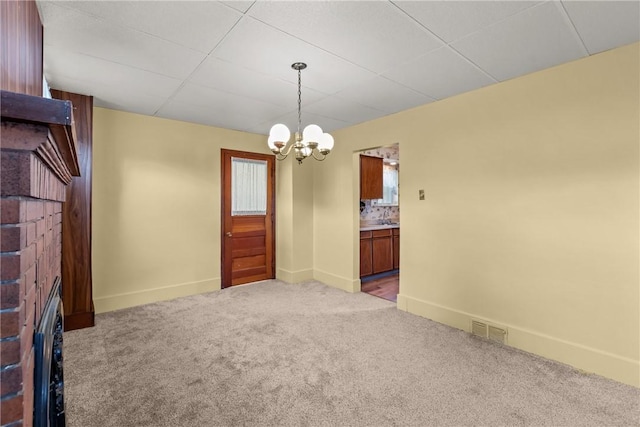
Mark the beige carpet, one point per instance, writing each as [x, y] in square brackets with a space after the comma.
[271, 354]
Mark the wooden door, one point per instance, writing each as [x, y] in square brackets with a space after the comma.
[248, 213]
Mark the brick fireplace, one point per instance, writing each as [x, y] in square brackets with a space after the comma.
[38, 159]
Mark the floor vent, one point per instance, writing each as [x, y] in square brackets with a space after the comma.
[479, 328]
[486, 330]
[497, 334]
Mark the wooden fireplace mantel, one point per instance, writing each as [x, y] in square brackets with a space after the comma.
[54, 113]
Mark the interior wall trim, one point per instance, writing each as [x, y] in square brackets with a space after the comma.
[147, 296]
[294, 276]
[344, 283]
[613, 366]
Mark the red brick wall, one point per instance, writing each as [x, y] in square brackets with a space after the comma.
[30, 259]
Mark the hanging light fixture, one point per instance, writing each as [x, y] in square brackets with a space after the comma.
[310, 142]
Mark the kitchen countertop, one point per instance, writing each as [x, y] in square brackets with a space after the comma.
[378, 227]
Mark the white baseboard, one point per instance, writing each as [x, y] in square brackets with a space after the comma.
[344, 283]
[294, 276]
[130, 299]
[585, 358]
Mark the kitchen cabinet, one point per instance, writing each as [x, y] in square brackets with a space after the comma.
[379, 251]
[366, 254]
[370, 177]
[382, 244]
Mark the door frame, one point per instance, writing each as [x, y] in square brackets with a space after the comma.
[225, 203]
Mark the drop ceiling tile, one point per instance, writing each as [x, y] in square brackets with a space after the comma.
[77, 32]
[110, 96]
[259, 47]
[440, 74]
[384, 95]
[199, 25]
[344, 110]
[247, 83]
[232, 78]
[538, 38]
[215, 102]
[604, 25]
[187, 112]
[452, 20]
[372, 34]
[107, 73]
[239, 5]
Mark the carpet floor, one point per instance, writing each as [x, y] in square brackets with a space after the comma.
[276, 354]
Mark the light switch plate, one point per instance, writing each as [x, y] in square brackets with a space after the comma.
[421, 194]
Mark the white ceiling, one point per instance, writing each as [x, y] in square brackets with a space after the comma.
[228, 63]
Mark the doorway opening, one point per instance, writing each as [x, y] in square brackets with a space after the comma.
[380, 221]
[248, 217]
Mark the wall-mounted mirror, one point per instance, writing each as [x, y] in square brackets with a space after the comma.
[390, 184]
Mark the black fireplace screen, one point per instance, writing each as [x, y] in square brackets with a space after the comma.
[48, 378]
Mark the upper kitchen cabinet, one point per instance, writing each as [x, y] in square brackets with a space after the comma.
[371, 186]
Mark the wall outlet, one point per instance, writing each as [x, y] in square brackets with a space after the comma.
[421, 194]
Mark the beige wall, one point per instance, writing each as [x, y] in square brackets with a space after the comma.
[156, 207]
[531, 212]
[294, 220]
[530, 219]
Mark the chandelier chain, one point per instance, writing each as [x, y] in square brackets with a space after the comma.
[299, 100]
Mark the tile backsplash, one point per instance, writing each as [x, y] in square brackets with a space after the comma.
[374, 213]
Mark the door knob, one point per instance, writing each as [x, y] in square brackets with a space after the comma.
[229, 234]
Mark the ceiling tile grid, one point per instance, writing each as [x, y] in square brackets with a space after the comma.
[185, 23]
[605, 25]
[228, 63]
[440, 74]
[377, 31]
[265, 49]
[72, 30]
[530, 41]
[452, 20]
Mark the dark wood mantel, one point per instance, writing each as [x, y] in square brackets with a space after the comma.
[57, 115]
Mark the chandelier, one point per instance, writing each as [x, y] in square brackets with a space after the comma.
[312, 141]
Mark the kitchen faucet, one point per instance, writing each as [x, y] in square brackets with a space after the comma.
[384, 217]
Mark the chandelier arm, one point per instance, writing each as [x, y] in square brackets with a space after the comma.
[313, 153]
[286, 152]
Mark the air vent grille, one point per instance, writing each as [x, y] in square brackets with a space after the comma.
[497, 334]
[491, 331]
[479, 328]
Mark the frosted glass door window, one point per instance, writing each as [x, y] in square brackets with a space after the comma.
[248, 187]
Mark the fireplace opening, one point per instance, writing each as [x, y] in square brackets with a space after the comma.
[48, 375]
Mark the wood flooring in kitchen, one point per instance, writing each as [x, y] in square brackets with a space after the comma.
[384, 285]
